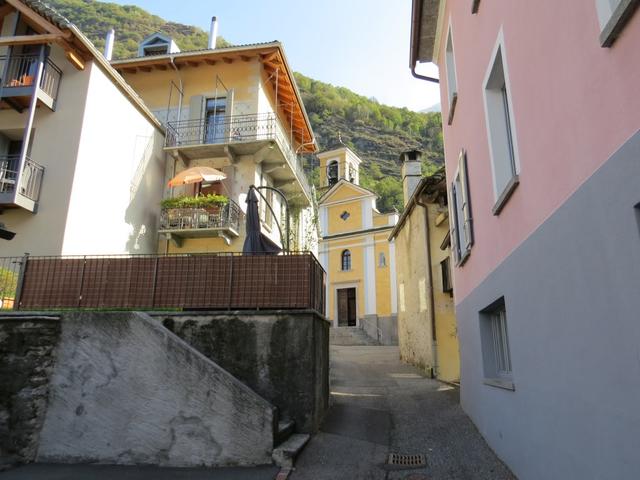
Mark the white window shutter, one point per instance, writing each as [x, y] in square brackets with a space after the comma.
[465, 198]
[454, 223]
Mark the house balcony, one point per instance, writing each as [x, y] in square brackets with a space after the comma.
[17, 83]
[215, 221]
[261, 135]
[20, 191]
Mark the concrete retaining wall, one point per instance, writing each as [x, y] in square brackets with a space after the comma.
[125, 390]
[26, 363]
[284, 356]
[382, 329]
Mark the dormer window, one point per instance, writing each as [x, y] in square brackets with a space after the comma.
[157, 44]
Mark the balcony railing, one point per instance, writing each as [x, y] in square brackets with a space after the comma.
[21, 72]
[229, 129]
[30, 181]
[225, 217]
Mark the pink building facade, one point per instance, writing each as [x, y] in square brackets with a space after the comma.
[541, 114]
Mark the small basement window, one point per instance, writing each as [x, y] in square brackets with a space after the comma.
[496, 353]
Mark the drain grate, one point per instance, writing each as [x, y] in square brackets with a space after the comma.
[406, 461]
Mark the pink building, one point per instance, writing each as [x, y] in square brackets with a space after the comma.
[541, 107]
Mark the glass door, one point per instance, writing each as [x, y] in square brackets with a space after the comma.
[216, 127]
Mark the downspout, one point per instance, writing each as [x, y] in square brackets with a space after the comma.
[175, 67]
[416, 15]
[432, 312]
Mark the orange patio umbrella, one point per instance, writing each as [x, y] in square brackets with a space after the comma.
[197, 175]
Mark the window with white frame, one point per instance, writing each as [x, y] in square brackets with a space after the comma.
[501, 129]
[452, 83]
[613, 16]
[496, 354]
[345, 260]
[461, 221]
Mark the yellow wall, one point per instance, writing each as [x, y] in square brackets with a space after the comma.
[414, 301]
[351, 224]
[345, 192]
[383, 275]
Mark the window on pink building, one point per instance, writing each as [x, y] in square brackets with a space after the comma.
[613, 15]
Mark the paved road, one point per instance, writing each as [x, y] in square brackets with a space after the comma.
[381, 406]
[107, 472]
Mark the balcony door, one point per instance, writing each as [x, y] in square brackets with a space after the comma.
[216, 122]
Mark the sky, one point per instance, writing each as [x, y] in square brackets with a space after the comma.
[359, 44]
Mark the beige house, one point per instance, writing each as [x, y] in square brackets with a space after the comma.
[427, 330]
[81, 157]
[237, 110]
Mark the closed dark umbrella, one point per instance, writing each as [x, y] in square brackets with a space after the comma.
[256, 241]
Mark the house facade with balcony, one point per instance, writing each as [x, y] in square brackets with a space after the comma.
[542, 144]
[354, 250]
[81, 157]
[237, 110]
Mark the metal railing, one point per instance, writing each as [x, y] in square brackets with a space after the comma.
[214, 281]
[30, 181]
[225, 216]
[225, 129]
[21, 72]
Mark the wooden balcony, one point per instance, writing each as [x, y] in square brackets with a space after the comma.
[220, 221]
[20, 191]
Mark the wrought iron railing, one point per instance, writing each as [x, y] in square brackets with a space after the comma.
[217, 217]
[225, 129]
[212, 281]
[30, 180]
[21, 72]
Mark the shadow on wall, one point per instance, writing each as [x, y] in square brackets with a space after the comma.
[637, 210]
[142, 214]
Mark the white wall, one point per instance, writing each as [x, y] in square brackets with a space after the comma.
[118, 182]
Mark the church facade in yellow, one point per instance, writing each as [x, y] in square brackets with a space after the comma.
[355, 251]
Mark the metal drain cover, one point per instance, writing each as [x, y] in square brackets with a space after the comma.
[406, 461]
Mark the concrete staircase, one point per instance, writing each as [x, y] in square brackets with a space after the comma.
[355, 336]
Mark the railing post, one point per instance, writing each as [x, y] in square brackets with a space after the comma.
[84, 264]
[155, 283]
[21, 275]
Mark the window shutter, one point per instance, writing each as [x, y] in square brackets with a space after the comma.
[454, 223]
[465, 198]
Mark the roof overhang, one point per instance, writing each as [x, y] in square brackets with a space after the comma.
[424, 27]
[270, 55]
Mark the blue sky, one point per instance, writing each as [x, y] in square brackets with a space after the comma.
[359, 44]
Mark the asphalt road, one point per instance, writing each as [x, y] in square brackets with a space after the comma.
[381, 406]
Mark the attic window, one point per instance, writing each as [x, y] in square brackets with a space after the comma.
[345, 215]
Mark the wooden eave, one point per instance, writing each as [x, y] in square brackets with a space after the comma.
[271, 58]
[46, 32]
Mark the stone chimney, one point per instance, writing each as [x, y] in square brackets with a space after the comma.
[411, 172]
[213, 33]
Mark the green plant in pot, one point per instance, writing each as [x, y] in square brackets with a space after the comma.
[210, 201]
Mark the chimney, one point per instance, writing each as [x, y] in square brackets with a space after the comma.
[108, 44]
[411, 172]
[213, 33]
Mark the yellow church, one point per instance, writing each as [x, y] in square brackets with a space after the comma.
[354, 250]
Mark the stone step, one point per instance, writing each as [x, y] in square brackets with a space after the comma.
[354, 336]
[285, 454]
[285, 430]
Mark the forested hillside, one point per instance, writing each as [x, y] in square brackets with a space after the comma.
[377, 133]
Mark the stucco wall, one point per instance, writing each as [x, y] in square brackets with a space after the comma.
[119, 175]
[125, 390]
[284, 356]
[56, 137]
[567, 121]
[572, 303]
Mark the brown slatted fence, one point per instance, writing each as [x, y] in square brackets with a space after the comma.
[185, 282]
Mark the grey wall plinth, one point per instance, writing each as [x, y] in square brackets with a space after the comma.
[126, 391]
[382, 329]
[282, 355]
